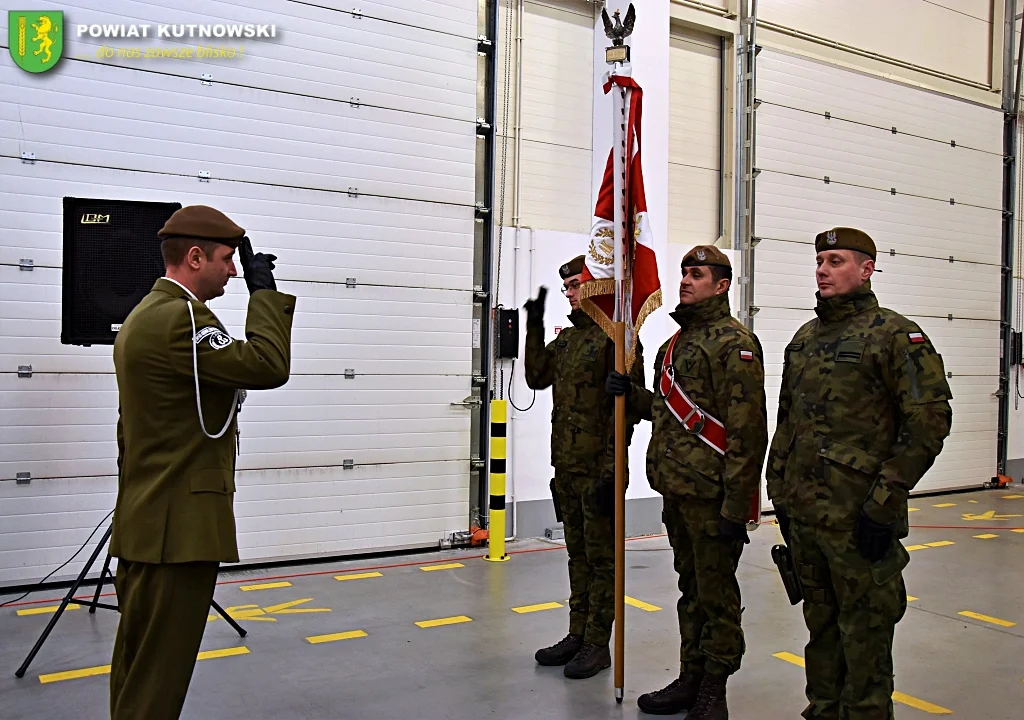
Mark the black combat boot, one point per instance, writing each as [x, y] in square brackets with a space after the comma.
[561, 652]
[589, 661]
[711, 700]
[681, 694]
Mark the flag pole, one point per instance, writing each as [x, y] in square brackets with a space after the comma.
[619, 123]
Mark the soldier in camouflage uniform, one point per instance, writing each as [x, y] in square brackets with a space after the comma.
[575, 365]
[863, 413]
[708, 492]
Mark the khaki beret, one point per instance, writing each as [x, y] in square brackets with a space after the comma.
[205, 223]
[844, 238]
[705, 255]
[573, 267]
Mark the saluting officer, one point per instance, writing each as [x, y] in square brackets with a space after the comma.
[708, 444]
[575, 365]
[863, 412]
[180, 377]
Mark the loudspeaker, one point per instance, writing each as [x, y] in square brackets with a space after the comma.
[111, 260]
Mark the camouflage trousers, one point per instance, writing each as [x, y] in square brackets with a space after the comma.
[851, 608]
[589, 526]
[711, 637]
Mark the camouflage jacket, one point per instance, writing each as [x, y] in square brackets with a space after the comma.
[863, 413]
[575, 365]
[719, 364]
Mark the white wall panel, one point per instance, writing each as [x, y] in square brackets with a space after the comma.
[284, 147]
[916, 236]
[557, 115]
[694, 129]
[949, 36]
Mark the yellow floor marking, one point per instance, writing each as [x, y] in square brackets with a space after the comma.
[945, 505]
[289, 608]
[897, 696]
[105, 669]
[912, 548]
[1019, 530]
[227, 652]
[940, 543]
[987, 618]
[244, 612]
[910, 509]
[990, 515]
[46, 610]
[537, 608]
[986, 536]
[317, 639]
[444, 621]
[265, 586]
[449, 566]
[360, 576]
[973, 502]
[911, 598]
[641, 604]
[75, 674]
[919, 704]
[1012, 497]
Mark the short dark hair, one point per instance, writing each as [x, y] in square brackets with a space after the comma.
[860, 257]
[174, 248]
[720, 272]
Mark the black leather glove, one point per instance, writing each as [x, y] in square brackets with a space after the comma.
[258, 269]
[734, 531]
[783, 518]
[535, 308]
[618, 384]
[873, 539]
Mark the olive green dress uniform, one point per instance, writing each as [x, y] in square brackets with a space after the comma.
[174, 519]
[575, 365]
[719, 364]
[863, 413]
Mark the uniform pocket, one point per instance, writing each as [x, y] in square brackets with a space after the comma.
[212, 480]
[885, 570]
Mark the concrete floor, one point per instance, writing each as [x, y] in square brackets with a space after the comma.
[945, 662]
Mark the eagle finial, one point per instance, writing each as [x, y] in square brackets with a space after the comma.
[620, 30]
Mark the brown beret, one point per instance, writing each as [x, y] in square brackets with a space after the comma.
[705, 255]
[205, 223]
[573, 267]
[844, 238]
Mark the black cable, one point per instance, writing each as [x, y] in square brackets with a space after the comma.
[511, 401]
[33, 588]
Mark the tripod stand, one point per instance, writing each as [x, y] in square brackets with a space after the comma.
[95, 603]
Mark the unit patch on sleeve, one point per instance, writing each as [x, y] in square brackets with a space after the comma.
[218, 338]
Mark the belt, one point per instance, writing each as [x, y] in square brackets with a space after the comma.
[694, 420]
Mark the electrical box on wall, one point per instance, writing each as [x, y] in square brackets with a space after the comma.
[508, 333]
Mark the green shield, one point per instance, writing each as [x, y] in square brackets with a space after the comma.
[35, 38]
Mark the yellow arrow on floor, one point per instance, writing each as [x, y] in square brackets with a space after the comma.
[990, 515]
[244, 612]
[289, 608]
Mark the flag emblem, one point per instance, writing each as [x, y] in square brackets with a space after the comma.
[641, 288]
[35, 38]
[916, 337]
[746, 355]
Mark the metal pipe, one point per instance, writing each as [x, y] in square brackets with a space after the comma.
[721, 137]
[519, 116]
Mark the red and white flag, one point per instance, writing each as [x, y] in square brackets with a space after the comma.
[641, 286]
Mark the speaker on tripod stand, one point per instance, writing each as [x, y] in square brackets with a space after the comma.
[111, 260]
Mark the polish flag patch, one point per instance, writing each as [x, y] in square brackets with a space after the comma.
[916, 337]
[746, 355]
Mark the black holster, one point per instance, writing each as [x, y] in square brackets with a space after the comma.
[554, 499]
[605, 499]
[783, 558]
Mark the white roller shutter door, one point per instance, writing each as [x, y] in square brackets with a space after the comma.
[694, 149]
[347, 147]
[921, 173]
